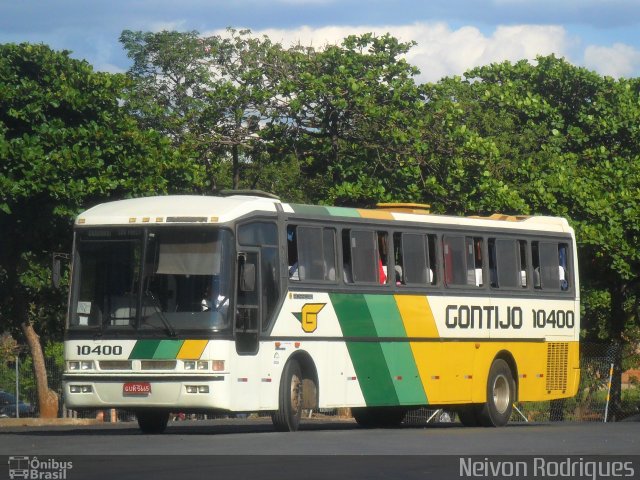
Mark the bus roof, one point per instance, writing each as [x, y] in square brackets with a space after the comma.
[189, 209]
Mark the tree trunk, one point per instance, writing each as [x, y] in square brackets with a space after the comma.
[47, 398]
[235, 166]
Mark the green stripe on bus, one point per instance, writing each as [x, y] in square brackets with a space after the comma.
[168, 349]
[309, 209]
[320, 210]
[144, 349]
[343, 212]
[398, 355]
[367, 357]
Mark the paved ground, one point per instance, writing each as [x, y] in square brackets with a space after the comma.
[321, 449]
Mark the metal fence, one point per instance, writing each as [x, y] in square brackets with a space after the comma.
[590, 403]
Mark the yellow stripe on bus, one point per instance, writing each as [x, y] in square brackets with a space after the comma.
[419, 322]
[417, 316]
[192, 349]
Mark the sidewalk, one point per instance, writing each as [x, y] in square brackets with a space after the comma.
[46, 422]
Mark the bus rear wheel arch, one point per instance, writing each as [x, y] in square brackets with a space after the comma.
[501, 393]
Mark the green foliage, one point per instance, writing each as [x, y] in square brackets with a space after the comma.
[65, 144]
[351, 110]
[210, 95]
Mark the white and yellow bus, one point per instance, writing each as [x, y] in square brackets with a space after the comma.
[244, 303]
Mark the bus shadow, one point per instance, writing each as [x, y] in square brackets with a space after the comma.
[212, 427]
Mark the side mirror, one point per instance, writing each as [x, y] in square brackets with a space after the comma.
[247, 277]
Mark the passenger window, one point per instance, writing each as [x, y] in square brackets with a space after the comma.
[420, 251]
[504, 263]
[524, 265]
[398, 259]
[550, 265]
[383, 258]
[360, 260]
[311, 253]
[455, 269]
[463, 261]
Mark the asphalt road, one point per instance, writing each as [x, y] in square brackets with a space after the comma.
[237, 449]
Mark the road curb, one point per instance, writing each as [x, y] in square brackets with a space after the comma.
[46, 422]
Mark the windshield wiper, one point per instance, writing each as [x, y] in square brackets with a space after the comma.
[163, 318]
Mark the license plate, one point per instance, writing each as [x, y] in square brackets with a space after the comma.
[136, 388]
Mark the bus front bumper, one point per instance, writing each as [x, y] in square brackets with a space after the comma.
[176, 392]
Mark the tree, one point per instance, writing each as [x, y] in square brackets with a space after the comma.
[65, 143]
[350, 112]
[210, 95]
[568, 144]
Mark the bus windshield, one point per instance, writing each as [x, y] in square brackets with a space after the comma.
[154, 279]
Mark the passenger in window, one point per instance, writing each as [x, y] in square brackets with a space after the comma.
[382, 274]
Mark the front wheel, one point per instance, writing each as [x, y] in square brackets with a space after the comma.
[287, 417]
[501, 392]
[151, 421]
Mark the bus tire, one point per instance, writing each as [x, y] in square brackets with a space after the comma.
[287, 417]
[379, 417]
[501, 391]
[152, 421]
[468, 415]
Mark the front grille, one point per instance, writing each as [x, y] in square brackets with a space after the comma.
[158, 364]
[115, 364]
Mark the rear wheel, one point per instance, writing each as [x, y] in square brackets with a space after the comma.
[287, 417]
[379, 417]
[501, 392]
[151, 421]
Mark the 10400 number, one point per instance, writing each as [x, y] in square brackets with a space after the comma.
[99, 350]
[553, 318]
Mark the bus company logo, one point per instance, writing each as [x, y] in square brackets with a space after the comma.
[38, 469]
[308, 316]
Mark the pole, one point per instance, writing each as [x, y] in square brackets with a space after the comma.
[606, 408]
[17, 387]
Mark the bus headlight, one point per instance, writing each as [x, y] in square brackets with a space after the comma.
[189, 365]
[203, 365]
[80, 365]
[86, 365]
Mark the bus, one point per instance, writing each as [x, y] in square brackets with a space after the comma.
[244, 303]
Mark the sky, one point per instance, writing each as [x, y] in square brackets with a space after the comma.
[452, 35]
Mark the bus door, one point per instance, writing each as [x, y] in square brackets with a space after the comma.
[247, 321]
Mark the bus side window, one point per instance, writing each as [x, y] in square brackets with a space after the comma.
[505, 267]
[363, 256]
[563, 269]
[524, 266]
[398, 258]
[383, 258]
[292, 253]
[455, 268]
[535, 263]
[548, 269]
[432, 259]
[415, 248]
[474, 261]
[315, 254]
[346, 257]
